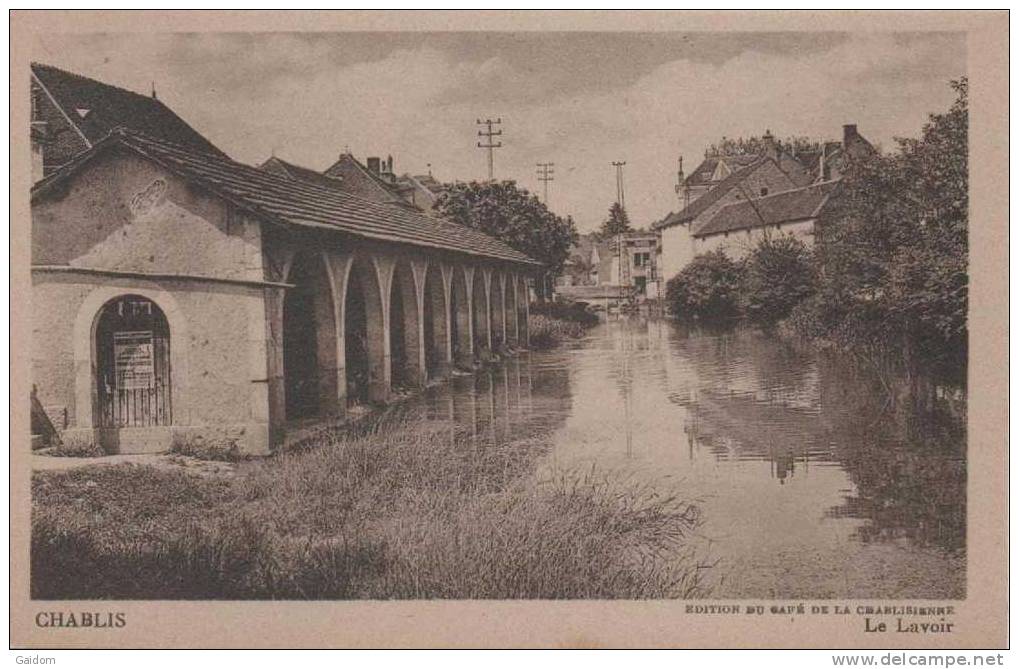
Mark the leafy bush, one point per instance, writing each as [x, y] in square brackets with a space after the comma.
[76, 446]
[707, 288]
[546, 332]
[778, 275]
[566, 310]
[893, 255]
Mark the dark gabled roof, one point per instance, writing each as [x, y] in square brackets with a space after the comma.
[703, 173]
[392, 191]
[286, 201]
[701, 204]
[95, 109]
[799, 204]
[298, 173]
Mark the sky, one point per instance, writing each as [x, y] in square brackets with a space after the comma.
[579, 100]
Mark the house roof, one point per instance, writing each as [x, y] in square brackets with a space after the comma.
[298, 173]
[701, 204]
[705, 171]
[799, 204]
[95, 108]
[389, 191]
[282, 200]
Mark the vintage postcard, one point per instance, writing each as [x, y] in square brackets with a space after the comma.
[509, 329]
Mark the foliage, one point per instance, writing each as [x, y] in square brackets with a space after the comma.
[707, 288]
[547, 332]
[778, 275]
[401, 511]
[618, 222]
[893, 257]
[566, 310]
[752, 146]
[513, 215]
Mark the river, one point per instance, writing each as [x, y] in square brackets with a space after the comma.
[815, 477]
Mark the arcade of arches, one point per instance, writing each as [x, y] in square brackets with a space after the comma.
[357, 327]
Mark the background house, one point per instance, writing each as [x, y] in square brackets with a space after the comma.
[739, 172]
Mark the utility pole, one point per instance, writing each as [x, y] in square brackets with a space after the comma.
[545, 173]
[620, 196]
[488, 134]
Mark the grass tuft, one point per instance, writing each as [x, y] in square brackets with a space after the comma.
[393, 512]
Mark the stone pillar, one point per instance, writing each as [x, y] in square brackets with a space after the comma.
[338, 266]
[464, 314]
[525, 336]
[419, 270]
[514, 324]
[380, 372]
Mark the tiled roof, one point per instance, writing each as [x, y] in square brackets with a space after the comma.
[296, 172]
[286, 201]
[388, 191]
[698, 206]
[793, 205]
[96, 108]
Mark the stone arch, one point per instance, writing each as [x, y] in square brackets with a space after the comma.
[480, 314]
[461, 324]
[309, 340]
[438, 350]
[85, 324]
[404, 328]
[365, 333]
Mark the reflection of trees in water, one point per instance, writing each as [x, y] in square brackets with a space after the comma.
[903, 443]
[727, 358]
[901, 440]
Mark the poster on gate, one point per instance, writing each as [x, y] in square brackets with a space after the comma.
[133, 356]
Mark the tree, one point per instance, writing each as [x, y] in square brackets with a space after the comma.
[511, 214]
[617, 222]
[778, 275]
[707, 288]
[892, 258]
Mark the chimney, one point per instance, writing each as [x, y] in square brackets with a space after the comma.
[375, 165]
[849, 134]
[770, 149]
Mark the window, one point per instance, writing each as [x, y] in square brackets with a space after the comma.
[764, 191]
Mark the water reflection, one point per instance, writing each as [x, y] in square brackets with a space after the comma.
[816, 476]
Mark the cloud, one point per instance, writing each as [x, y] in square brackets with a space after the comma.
[308, 97]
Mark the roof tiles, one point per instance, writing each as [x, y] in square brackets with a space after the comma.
[299, 202]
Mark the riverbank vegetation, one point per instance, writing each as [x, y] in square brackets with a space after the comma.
[887, 276]
[555, 322]
[397, 511]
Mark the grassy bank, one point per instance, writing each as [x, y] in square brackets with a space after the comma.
[401, 512]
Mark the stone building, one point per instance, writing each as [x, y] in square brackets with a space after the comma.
[736, 228]
[766, 168]
[178, 295]
[70, 113]
[624, 268]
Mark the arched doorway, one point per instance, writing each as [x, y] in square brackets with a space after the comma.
[132, 353]
[404, 345]
[309, 340]
[364, 335]
[436, 342]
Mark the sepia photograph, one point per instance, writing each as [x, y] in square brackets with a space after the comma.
[468, 314]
